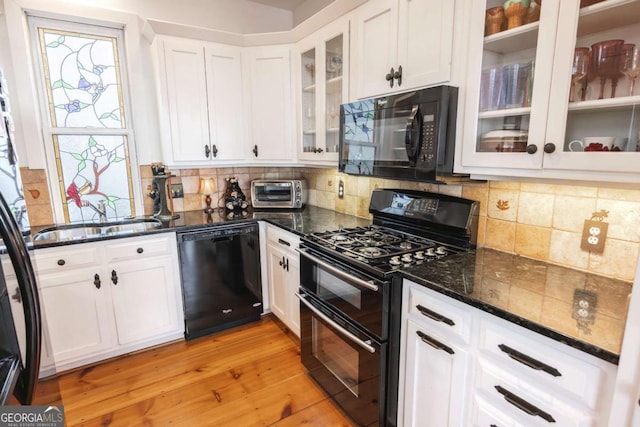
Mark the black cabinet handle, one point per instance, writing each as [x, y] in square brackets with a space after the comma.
[114, 277]
[255, 150]
[398, 75]
[284, 242]
[61, 262]
[549, 147]
[529, 361]
[390, 76]
[207, 151]
[435, 343]
[96, 281]
[435, 316]
[139, 250]
[214, 150]
[281, 262]
[532, 149]
[523, 405]
[17, 297]
[286, 264]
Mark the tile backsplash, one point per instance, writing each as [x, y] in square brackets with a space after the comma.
[539, 221]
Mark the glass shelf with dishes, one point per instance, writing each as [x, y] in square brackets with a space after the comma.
[543, 96]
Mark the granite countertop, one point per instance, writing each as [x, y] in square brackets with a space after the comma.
[533, 294]
[309, 220]
[536, 295]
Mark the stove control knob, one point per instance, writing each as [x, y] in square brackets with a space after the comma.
[430, 252]
[441, 250]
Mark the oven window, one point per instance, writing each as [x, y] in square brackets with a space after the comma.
[273, 192]
[330, 287]
[336, 355]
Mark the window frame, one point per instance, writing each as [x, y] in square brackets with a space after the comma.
[83, 26]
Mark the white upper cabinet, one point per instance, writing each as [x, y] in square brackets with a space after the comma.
[201, 99]
[532, 109]
[322, 83]
[401, 44]
[268, 71]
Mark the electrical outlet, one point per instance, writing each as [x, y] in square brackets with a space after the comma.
[584, 306]
[594, 234]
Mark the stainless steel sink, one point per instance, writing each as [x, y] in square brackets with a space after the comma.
[68, 233]
[132, 227]
[93, 231]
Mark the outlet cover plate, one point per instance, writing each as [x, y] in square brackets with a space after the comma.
[594, 234]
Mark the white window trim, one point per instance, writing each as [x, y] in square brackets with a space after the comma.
[74, 24]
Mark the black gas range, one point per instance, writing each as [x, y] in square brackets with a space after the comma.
[350, 296]
[379, 250]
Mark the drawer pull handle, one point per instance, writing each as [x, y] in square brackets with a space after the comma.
[435, 316]
[139, 250]
[434, 343]
[114, 277]
[284, 242]
[523, 405]
[529, 361]
[61, 262]
[96, 281]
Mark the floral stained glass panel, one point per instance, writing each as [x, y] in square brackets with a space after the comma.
[93, 169]
[82, 79]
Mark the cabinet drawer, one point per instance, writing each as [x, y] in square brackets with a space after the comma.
[437, 311]
[281, 238]
[140, 247]
[513, 399]
[66, 258]
[543, 361]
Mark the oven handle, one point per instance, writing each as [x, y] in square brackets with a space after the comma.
[365, 283]
[364, 344]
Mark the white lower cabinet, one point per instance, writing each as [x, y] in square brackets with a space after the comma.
[283, 266]
[461, 366]
[434, 380]
[108, 306]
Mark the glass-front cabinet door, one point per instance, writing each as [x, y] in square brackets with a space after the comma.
[551, 89]
[323, 59]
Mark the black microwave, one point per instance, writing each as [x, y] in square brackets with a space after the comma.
[407, 136]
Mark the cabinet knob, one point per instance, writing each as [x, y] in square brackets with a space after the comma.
[139, 250]
[549, 147]
[398, 75]
[390, 76]
[61, 262]
[207, 151]
[255, 150]
[214, 150]
[96, 281]
[532, 149]
[114, 277]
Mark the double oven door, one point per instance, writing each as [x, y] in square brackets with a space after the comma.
[343, 334]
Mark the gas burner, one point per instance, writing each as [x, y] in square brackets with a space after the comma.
[371, 251]
[441, 250]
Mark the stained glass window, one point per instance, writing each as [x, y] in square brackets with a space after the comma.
[83, 83]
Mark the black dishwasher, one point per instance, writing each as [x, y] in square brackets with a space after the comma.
[220, 272]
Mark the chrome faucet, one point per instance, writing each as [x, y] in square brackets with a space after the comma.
[101, 209]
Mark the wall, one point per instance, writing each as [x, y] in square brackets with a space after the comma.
[539, 221]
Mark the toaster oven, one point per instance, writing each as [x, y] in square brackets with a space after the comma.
[278, 193]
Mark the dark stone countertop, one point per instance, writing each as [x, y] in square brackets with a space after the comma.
[536, 295]
[311, 219]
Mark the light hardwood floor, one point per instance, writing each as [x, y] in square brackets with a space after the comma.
[248, 376]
